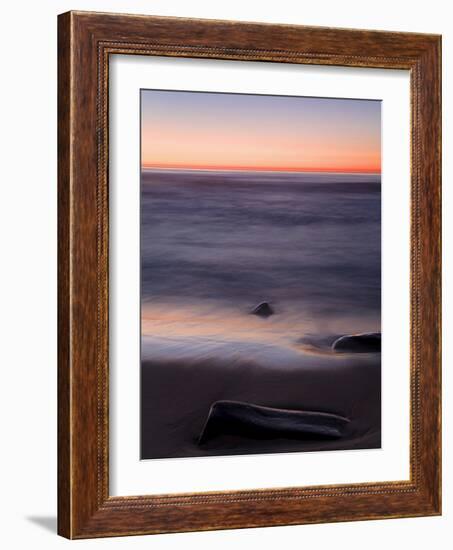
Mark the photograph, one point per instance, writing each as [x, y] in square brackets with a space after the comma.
[260, 267]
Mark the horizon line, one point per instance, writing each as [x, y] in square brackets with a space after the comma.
[264, 169]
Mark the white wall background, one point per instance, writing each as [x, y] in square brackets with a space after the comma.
[28, 216]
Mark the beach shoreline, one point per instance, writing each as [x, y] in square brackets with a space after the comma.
[247, 279]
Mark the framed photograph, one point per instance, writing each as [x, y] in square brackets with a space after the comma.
[249, 275]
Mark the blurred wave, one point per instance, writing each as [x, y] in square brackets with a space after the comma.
[214, 244]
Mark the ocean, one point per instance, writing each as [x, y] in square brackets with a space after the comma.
[214, 245]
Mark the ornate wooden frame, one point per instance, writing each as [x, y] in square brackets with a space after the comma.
[85, 41]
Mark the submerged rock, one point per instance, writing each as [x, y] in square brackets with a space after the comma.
[369, 342]
[256, 421]
[263, 310]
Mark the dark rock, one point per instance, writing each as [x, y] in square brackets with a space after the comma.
[263, 310]
[258, 422]
[359, 343]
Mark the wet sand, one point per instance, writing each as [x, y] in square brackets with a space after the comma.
[177, 396]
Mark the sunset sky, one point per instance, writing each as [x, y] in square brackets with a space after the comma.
[213, 131]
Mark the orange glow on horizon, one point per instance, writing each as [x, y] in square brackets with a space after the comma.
[235, 132]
